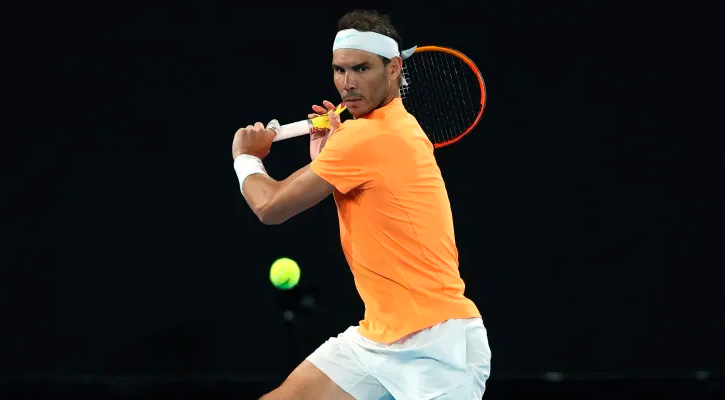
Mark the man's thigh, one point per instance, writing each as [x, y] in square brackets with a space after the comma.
[342, 359]
[307, 382]
[333, 371]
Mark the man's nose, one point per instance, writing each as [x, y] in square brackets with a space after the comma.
[350, 81]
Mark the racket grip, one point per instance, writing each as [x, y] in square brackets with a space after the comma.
[320, 123]
[291, 130]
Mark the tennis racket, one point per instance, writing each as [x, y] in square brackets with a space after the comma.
[443, 89]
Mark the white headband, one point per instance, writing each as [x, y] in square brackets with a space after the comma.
[369, 41]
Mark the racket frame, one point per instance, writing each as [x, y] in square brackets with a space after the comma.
[481, 84]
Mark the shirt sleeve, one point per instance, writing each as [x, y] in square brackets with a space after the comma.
[347, 160]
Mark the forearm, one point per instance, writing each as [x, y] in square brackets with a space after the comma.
[272, 201]
[262, 194]
[258, 190]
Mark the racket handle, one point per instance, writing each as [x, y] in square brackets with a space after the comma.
[294, 129]
[304, 127]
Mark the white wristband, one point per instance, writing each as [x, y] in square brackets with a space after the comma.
[246, 165]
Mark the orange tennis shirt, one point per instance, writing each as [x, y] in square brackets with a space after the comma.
[396, 226]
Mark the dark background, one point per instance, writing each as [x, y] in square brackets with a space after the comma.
[585, 202]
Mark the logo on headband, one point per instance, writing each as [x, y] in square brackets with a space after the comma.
[341, 38]
[373, 42]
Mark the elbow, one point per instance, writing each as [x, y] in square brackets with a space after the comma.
[272, 209]
[270, 220]
[268, 216]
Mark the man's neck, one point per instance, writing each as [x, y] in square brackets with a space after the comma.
[394, 94]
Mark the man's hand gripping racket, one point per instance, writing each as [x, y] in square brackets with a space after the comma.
[315, 124]
[319, 138]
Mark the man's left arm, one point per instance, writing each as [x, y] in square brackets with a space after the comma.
[272, 201]
[277, 201]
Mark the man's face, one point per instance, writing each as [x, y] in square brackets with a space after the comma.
[361, 79]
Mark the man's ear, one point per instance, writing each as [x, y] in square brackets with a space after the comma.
[395, 68]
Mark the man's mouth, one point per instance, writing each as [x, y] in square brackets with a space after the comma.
[352, 100]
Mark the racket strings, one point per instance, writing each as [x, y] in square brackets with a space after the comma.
[463, 108]
[404, 88]
[440, 93]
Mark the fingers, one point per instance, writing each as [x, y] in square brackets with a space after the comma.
[258, 127]
[334, 120]
[328, 106]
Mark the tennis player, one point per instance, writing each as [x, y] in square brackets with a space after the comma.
[421, 337]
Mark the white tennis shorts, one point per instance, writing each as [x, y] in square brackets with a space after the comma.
[450, 360]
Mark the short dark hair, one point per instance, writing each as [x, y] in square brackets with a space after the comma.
[371, 21]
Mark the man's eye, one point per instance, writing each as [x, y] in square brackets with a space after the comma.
[362, 69]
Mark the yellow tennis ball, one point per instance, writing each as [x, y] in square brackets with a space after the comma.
[284, 273]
